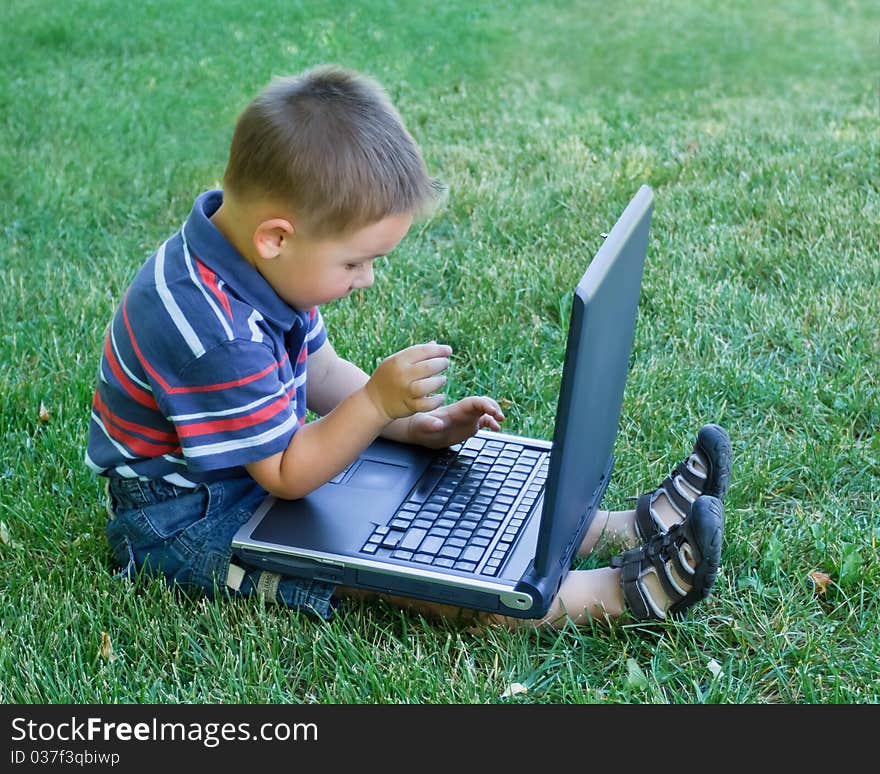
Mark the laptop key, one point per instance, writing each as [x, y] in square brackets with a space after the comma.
[442, 562]
[431, 544]
[472, 553]
[413, 538]
[391, 539]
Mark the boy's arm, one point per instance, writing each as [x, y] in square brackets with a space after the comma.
[331, 379]
[401, 386]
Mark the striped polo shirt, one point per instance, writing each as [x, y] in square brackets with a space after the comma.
[204, 365]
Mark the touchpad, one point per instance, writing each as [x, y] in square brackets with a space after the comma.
[377, 475]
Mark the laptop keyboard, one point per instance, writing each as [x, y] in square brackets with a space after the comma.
[467, 509]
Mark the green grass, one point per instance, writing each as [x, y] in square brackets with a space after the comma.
[756, 125]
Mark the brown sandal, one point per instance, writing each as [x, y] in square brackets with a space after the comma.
[713, 446]
[700, 535]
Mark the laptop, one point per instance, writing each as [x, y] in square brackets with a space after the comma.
[492, 523]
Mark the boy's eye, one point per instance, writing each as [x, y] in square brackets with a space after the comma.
[352, 266]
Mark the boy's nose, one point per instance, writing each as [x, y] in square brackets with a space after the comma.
[365, 277]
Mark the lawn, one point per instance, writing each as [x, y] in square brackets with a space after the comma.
[755, 123]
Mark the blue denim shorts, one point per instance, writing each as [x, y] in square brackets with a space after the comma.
[185, 535]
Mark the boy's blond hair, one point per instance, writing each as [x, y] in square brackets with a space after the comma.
[329, 144]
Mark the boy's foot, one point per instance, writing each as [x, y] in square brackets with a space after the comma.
[705, 472]
[676, 569]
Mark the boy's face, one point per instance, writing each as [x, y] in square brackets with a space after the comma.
[316, 270]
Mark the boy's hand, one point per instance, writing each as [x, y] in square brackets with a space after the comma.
[404, 382]
[457, 422]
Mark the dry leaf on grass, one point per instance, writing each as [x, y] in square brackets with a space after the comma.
[107, 648]
[513, 689]
[635, 677]
[44, 412]
[820, 581]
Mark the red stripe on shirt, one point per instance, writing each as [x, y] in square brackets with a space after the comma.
[149, 432]
[137, 392]
[210, 279]
[236, 423]
[138, 446]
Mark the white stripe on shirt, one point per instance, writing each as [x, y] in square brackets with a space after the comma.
[319, 325]
[189, 335]
[256, 333]
[122, 362]
[178, 480]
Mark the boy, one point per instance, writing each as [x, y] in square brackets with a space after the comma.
[218, 348]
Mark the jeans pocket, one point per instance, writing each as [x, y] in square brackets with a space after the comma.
[168, 518]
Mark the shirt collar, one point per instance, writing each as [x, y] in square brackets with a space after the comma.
[217, 253]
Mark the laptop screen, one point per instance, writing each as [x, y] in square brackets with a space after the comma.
[600, 338]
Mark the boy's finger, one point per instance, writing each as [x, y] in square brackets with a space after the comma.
[429, 402]
[430, 367]
[490, 406]
[422, 387]
[432, 349]
[488, 421]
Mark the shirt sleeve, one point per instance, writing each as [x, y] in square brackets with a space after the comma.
[233, 405]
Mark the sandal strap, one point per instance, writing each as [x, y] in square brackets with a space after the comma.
[630, 563]
[683, 470]
[646, 525]
[681, 503]
[635, 562]
[658, 552]
[679, 534]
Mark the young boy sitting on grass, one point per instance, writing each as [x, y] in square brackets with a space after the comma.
[218, 348]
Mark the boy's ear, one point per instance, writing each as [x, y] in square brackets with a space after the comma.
[270, 235]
